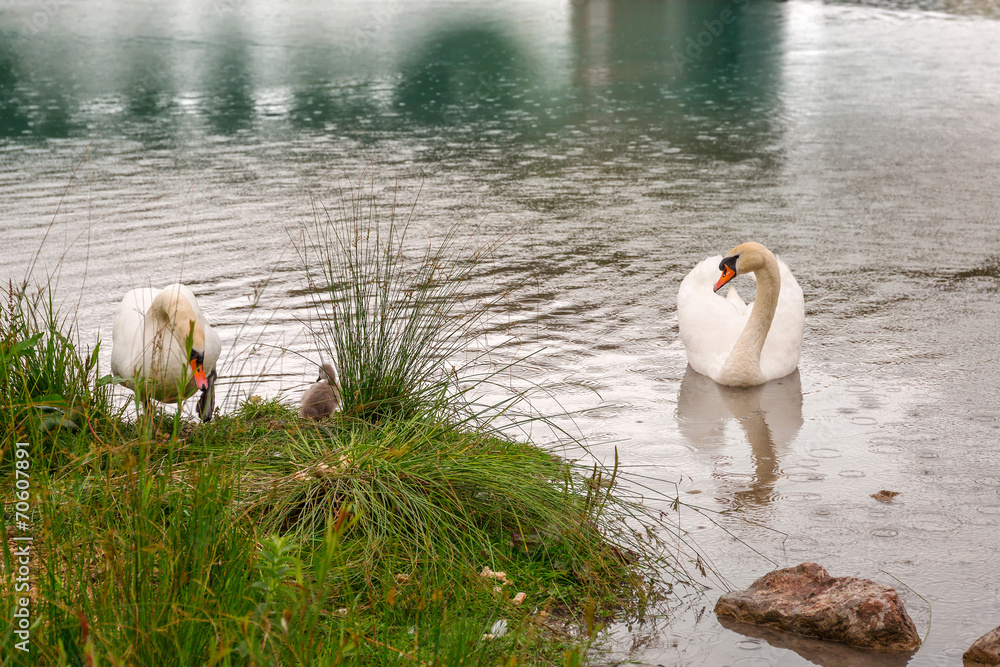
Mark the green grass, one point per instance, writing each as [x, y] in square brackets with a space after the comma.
[371, 538]
[50, 394]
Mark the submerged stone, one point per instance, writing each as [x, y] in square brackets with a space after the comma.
[986, 650]
[806, 600]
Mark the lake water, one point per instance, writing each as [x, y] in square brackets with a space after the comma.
[622, 141]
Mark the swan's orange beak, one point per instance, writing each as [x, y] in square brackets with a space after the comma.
[727, 274]
[199, 375]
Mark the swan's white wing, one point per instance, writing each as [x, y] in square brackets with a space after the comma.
[733, 297]
[709, 323]
[783, 344]
[128, 334]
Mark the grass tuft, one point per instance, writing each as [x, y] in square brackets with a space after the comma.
[395, 312]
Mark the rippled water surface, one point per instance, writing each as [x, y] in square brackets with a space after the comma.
[621, 142]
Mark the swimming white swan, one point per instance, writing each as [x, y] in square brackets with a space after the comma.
[734, 343]
[322, 398]
[152, 331]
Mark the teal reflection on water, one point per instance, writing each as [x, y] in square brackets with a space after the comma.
[462, 73]
[159, 72]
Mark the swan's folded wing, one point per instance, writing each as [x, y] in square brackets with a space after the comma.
[128, 332]
[733, 297]
[709, 323]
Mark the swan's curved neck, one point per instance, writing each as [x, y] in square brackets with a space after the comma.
[743, 362]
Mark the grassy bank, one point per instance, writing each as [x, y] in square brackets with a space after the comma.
[413, 527]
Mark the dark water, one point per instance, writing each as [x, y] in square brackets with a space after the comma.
[622, 141]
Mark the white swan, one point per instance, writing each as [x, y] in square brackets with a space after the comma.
[152, 331]
[322, 398]
[734, 343]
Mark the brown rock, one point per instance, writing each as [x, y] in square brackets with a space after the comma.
[806, 600]
[986, 650]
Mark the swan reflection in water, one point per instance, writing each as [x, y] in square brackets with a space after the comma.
[770, 415]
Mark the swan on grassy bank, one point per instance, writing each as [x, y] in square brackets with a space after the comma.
[153, 331]
[734, 343]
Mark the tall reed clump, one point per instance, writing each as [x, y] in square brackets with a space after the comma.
[50, 394]
[394, 311]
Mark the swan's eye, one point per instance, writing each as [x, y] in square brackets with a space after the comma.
[730, 262]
